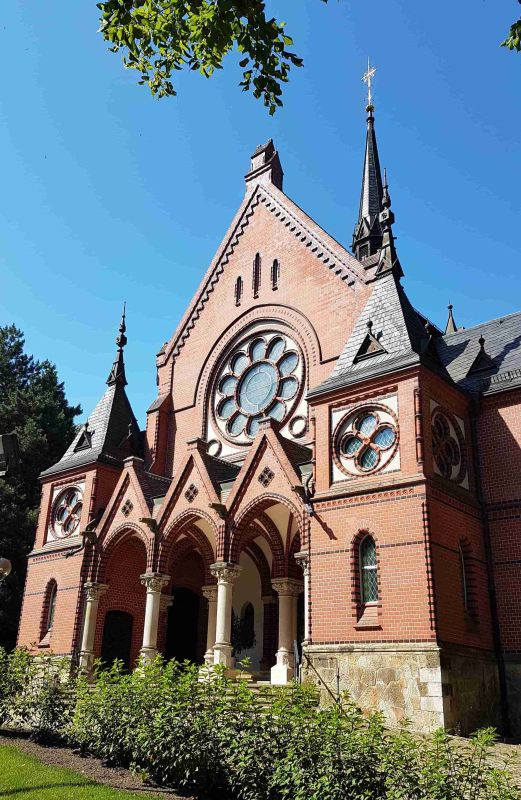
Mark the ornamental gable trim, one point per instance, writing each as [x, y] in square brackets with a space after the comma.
[328, 251]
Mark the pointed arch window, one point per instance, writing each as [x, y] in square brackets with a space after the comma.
[464, 578]
[48, 610]
[275, 274]
[368, 570]
[256, 275]
[238, 291]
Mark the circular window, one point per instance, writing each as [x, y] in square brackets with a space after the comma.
[67, 512]
[366, 440]
[447, 446]
[261, 378]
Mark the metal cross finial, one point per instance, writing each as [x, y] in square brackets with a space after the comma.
[367, 77]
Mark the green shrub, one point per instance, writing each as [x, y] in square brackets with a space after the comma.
[167, 722]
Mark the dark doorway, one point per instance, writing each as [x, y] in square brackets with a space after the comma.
[182, 632]
[117, 638]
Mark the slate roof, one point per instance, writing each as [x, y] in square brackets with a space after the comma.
[220, 471]
[399, 329]
[153, 485]
[297, 454]
[502, 336]
[113, 431]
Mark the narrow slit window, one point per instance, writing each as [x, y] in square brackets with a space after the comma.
[275, 274]
[256, 275]
[368, 571]
[464, 579]
[238, 291]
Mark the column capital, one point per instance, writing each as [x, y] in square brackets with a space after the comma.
[225, 571]
[93, 591]
[166, 601]
[287, 587]
[302, 560]
[154, 581]
[210, 592]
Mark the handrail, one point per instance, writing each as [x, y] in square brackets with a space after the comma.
[322, 681]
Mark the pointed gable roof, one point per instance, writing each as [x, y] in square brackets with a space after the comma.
[500, 370]
[396, 327]
[329, 253]
[111, 432]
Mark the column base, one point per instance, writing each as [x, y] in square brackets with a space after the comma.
[209, 657]
[282, 673]
[147, 654]
[86, 662]
[222, 654]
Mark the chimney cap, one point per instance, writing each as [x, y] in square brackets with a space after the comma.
[265, 166]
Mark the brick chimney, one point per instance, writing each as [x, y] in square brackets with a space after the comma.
[265, 167]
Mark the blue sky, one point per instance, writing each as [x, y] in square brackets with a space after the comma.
[109, 195]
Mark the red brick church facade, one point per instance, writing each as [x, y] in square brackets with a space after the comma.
[322, 466]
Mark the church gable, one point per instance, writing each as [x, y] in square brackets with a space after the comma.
[191, 488]
[269, 227]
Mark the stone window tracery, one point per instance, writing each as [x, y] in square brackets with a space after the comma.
[261, 378]
[366, 441]
[66, 512]
[447, 446]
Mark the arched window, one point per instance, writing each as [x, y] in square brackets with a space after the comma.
[256, 275]
[275, 274]
[49, 608]
[464, 578]
[238, 291]
[368, 570]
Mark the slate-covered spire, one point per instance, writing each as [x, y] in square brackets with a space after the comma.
[367, 236]
[111, 432]
[117, 373]
[451, 326]
[388, 260]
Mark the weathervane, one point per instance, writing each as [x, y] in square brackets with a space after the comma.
[367, 76]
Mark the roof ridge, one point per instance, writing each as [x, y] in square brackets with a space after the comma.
[481, 324]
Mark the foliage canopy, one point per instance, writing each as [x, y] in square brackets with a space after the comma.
[159, 37]
[33, 405]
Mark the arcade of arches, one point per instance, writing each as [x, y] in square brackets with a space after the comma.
[196, 608]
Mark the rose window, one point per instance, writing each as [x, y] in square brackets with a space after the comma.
[67, 512]
[261, 379]
[366, 441]
[446, 449]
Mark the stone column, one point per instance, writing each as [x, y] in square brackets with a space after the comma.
[287, 590]
[93, 592]
[154, 583]
[226, 575]
[210, 592]
[302, 560]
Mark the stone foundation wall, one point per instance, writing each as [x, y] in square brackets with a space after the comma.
[513, 675]
[471, 689]
[422, 683]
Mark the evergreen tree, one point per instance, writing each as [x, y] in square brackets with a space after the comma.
[32, 405]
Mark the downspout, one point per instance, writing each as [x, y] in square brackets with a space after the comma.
[496, 632]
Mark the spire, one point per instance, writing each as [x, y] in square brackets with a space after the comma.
[117, 373]
[367, 233]
[388, 261]
[451, 326]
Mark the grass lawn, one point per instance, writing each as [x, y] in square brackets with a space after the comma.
[24, 777]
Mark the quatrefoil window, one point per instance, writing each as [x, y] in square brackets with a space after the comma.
[127, 507]
[367, 441]
[191, 493]
[446, 447]
[266, 476]
[261, 378]
[67, 512]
